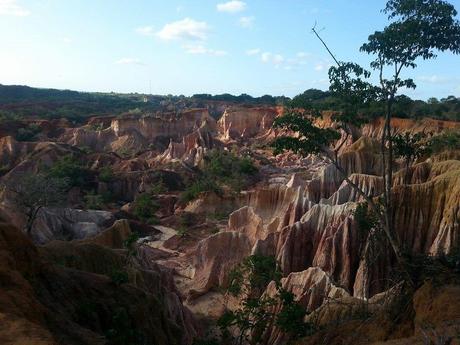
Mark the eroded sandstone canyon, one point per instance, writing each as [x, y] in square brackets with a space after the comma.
[80, 276]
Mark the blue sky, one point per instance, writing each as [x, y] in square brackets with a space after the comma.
[200, 46]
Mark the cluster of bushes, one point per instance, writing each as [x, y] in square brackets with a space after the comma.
[69, 167]
[28, 133]
[243, 99]
[221, 170]
[146, 204]
[445, 109]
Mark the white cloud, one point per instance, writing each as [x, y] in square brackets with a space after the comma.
[279, 60]
[145, 30]
[202, 50]
[322, 65]
[436, 79]
[276, 59]
[266, 56]
[233, 6]
[11, 8]
[252, 52]
[185, 29]
[129, 61]
[303, 55]
[66, 40]
[247, 22]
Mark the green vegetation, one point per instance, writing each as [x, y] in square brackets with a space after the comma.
[243, 98]
[70, 168]
[18, 102]
[145, 207]
[248, 323]
[447, 140]
[410, 147]
[447, 108]
[222, 169]
[27, 102]
[417, 30]
[197, 187]
[28, 133]
[130, 242]
[146, 204]
[94, 201]
[106, 174]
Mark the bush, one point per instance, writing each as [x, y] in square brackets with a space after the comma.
[221, 168]
[70, 168]
[145, 207]
[447, 140]
[196, 188]
[106, 174]
[94, 201]
[29, 133]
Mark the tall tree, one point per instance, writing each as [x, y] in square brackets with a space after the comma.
[417, 30]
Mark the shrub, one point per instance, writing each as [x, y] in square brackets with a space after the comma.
[70, 168]
[93, 201]
[447, 140]
[145, 207]
[196, 188]
[106, 174]
[249, 280]
[29, 133]
[130, 242]
[221, 168]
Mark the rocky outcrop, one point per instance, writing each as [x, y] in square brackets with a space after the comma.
[433, 318]
[371, 185]
[192, 148]
[246, 122]
[374, 129]
[75, 302]
[132, 133]
[68, 224]
[312, 289]
[170, 126]
[213, 259]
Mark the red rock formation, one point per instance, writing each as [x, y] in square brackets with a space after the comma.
[244, 123]
[214, 257]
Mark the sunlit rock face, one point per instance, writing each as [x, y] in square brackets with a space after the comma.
[192, 148]
[129, 134]
[214, 257]
[240, 123]
[172, 126]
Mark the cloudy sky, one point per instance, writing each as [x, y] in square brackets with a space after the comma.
[194, 46]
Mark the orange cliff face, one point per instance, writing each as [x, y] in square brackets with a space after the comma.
[151, 127]
[246, 122]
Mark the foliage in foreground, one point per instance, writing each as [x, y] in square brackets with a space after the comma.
[249, 323]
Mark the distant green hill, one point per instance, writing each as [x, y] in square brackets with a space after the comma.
[18, 102]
